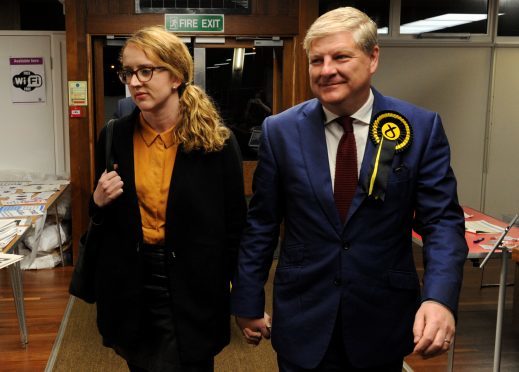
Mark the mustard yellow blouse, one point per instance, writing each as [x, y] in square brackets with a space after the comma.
[154, 158]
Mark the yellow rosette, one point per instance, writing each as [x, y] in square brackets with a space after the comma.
[391, 133]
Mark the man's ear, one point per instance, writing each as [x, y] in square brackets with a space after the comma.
[374, 59]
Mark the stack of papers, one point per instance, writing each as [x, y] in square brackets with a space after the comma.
[7, 259]
[482, 227]
[8, 230]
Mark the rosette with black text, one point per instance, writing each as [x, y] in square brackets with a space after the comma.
[391, 133]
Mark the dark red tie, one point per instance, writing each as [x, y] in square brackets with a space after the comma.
[345, 168]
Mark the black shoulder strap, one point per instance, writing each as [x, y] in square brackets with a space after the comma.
[108, 141]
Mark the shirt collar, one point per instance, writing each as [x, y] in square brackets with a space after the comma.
[362, 116]
[149, 135]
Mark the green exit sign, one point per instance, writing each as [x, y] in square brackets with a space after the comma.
[194, 22]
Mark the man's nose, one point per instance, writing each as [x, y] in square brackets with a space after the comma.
[328, 67]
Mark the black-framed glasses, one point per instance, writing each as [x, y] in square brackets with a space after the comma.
[143, 74]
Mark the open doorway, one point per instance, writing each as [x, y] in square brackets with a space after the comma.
[240, 80]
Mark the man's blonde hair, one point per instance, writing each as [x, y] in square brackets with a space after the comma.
[342, 19]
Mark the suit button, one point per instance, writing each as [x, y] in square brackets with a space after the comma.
[337, 282]
[345, 246]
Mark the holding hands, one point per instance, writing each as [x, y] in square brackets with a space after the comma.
[254, 329]
[109, 187]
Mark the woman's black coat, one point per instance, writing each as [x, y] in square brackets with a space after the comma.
[204, 218]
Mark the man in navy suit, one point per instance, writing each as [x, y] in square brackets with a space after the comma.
[347, 296]
[125, 107]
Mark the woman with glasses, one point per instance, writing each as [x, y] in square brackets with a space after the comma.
[171, 213]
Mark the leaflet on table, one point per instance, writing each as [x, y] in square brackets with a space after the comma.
[41, 188]
[8, 190]
[508, 242]
[8, 183]
[26, 198]
[482, 227]
[6, 237]
[21, 210]
[7, 231]
[11, 187]
[21, 229]
[7, 259]
[9, 228]
[45, 194]
[23, 198]
[7, 223]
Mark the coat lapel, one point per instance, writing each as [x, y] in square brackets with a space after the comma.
[379, 104]
[315, 154]
[123, 152]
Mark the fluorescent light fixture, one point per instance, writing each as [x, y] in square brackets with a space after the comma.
[212, 67]
[250, 53]
[440, 22]
[238, 59]
[222, 64]
[209, 40]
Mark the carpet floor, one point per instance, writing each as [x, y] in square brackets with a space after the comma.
[79, 347]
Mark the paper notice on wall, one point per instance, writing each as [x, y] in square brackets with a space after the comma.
[77, 93]
[27, 79]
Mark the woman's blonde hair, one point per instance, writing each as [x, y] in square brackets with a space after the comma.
[342, 19]
[201, 126]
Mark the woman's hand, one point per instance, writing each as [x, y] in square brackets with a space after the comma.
[109, 188]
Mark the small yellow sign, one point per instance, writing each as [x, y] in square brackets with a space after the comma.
[77, 93]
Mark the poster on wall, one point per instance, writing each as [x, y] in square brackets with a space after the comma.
[28, 79]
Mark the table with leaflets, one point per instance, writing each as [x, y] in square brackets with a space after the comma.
[15, 220]
[481, 233]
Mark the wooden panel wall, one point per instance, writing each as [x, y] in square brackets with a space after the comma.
[85, 18]
[81, 141]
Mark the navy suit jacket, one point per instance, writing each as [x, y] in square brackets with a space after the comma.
[365, 267]
[125, 107]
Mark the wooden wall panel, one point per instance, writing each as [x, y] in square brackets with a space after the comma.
[308, 13]
[81, 157]
[289, 75]
[98, 102]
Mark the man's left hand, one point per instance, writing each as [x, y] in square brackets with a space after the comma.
[434, 329]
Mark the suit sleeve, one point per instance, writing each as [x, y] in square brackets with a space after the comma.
[260, 236]
[439, 220]
[235, 205]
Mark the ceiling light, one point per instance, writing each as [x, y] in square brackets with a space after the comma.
[440, 22]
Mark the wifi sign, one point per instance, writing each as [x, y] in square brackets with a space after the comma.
[27, 81]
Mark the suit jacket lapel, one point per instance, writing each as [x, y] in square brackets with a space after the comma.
[379, 104]
[315, 154]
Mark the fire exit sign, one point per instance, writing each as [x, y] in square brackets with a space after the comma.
[194, 22]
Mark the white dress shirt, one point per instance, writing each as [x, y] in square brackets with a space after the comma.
[333, 132]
